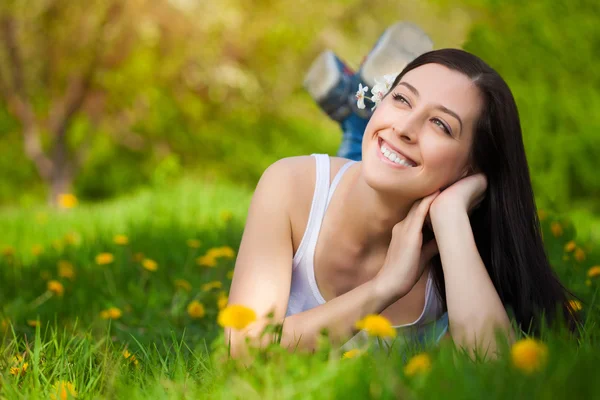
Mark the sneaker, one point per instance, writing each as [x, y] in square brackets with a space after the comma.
[329, 82]
[398, 45]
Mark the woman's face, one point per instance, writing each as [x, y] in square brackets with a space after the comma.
[429, 118]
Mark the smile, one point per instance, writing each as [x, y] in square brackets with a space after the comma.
[391, 156]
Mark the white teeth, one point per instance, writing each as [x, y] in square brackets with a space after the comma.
[392, 156]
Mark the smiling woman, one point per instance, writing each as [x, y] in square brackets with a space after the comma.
[439, 217]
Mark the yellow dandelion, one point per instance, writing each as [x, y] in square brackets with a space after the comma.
[67, 200]
[56, 287]
[33, 322]
[130, 357]
[556, 228]
[195, 309]
[529, 355]
[121, 240]
[211, 285]
[149, 264]
[575, 305]
[542, 214]
[376, 325]
[236, 316]
[352, 353]
[111, 313]
[19, 370]
[193, 243]
[579, 254]
[138, 257]
[222, 300]
[226, 215]
[570, 246]
[183, 284]
[206, 261]
[223, 251]
[8, 251]
[419, 364]
[66, 269]
[594, 271]
[37, 249]
[71, 238]
[104, 258]
[63, 390]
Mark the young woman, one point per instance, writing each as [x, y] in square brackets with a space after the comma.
[439, 216]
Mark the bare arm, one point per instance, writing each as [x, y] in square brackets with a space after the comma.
[263, 273]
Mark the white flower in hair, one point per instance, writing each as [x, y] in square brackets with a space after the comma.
[378, 91]
[360, 95]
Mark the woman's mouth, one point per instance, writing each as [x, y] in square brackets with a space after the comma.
[392, 157]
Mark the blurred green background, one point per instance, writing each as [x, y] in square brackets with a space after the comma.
[104, 97]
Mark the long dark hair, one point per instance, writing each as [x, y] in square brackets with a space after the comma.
[505, 226]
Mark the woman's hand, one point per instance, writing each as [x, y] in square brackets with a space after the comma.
[467, 193]
[406, 256]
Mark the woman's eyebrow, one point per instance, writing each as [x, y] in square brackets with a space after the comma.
[438, 106]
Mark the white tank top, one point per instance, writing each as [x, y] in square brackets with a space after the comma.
[304, 293]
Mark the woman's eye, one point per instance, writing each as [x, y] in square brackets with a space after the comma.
[399, 97]
[439, 123]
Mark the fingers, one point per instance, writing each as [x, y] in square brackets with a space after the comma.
[420, 209]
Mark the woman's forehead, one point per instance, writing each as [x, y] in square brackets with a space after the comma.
[438, 84]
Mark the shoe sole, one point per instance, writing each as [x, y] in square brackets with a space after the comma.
[400, 44]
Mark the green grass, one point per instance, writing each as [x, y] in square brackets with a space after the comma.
[183, 357]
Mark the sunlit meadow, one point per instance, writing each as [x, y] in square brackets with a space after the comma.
[124, 300]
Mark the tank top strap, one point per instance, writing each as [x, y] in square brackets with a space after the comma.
[337, 179]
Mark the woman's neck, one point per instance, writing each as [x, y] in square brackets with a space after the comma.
[372, 214]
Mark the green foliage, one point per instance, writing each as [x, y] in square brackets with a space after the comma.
[182, 357]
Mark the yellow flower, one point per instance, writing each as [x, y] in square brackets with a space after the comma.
[71, 238]
[230, 274]
[575, 305]
[63, 390]
[19, 370]
[376, 325]
[8, 251]
[111, 313]
[352, 353]
[66, 269]
[570, 246]
[193, 243]
[206, 261]
[542, 214]
[419, 364]
[222, 300]
[149, 264]
[67, 200]
[556, 229]
[223, 251]
[104, 258]
[579, 254]
[121, 240]
[594, 271]
[211, 285]
[195, 309]
[37, 249]
[226, 215]
[529, 355]
[33, 322]
[183, 284]
[56, 287]
[132, 358]
[236, 316]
